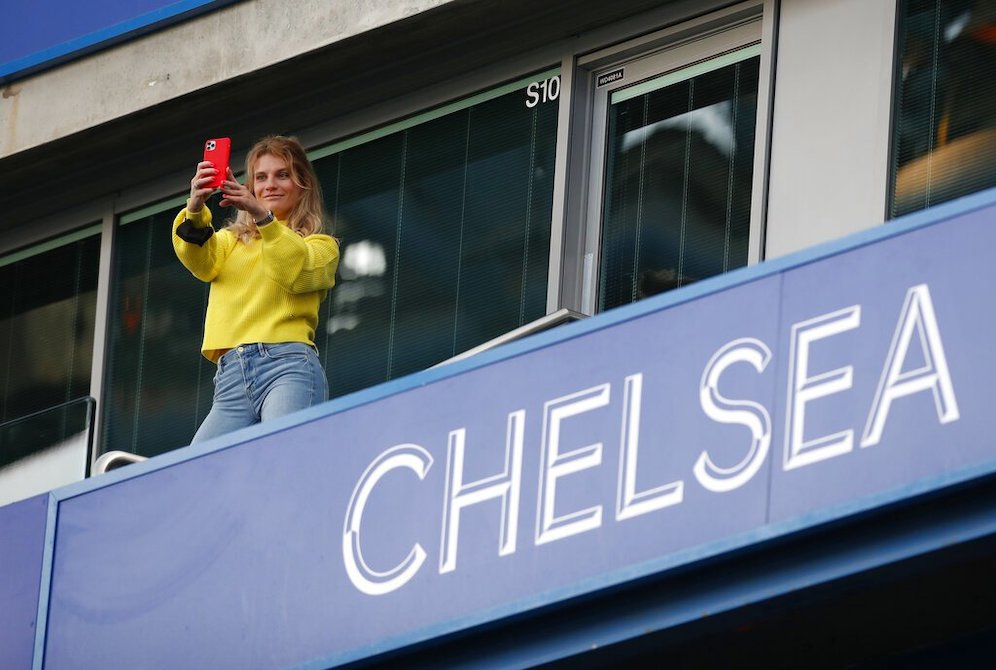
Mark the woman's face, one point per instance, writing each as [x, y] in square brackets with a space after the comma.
[274, 187]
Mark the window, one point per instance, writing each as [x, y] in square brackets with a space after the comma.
[674, 154]
[48, 298]
[158, 386]
[944, 143]
[445, 227]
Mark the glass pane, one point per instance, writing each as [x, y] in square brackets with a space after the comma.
[678, 182]
[445, 230]
[158, 384]
[44, 450]
[48, 428]
[47, 311]
[945, 127]
[445, 227]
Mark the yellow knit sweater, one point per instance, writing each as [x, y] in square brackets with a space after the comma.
[265, 291]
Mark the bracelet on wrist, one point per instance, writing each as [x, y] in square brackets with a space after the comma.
[265, 220]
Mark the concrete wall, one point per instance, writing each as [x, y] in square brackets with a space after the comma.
[830, 128]
[190, 56]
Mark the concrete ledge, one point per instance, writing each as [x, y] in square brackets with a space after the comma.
[193, 55]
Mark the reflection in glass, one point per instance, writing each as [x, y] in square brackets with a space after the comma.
[45, 449]
[47, 313]
[678, 182]
[945, 127]
[445, 228]
[158, 386]
[445, 231]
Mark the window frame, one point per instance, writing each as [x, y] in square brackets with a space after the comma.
[669, 50]
[62, 232]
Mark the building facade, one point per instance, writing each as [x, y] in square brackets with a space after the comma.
[663, 171]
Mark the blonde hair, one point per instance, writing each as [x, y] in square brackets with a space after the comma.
[308, 216]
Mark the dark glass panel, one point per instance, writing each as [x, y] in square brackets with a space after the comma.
[47, 312]
[944, 144]
[42, 430]
[430, 227]
[504, 266]
[365, 202]
[678, 184]
[446, 238]
[158, 384]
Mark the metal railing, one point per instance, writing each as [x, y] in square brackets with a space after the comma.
[113, 460]
[560, 317]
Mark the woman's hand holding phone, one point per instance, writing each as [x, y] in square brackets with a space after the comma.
[240, 197]
[214, 173]
[201, 186]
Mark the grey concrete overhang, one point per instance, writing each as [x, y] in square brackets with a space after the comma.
[406, 56]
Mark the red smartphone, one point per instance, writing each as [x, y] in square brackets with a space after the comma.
[218, 150]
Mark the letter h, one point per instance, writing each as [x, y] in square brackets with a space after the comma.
[505, 486]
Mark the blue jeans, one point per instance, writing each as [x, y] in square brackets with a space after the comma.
[256, 382]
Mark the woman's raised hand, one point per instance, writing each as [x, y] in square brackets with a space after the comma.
[200, 189]
[241, 197]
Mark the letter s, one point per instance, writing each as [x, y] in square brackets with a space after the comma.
[745, 412]
[532, 97]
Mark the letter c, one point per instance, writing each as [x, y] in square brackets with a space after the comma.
[363, 577]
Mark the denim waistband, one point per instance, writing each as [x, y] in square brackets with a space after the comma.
[261, 348]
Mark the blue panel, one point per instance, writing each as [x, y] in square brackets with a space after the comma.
[39, 33]
[952, 267]
[22, 545]
[257, 531]
[323, 537]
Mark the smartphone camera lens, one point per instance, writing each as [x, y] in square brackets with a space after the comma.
[211, 145]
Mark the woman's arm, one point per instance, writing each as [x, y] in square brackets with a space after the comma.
[299, 264]
[198, 248]
[193, 237]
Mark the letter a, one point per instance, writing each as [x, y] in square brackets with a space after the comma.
[917, 318]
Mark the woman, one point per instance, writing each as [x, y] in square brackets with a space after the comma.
[269, 269]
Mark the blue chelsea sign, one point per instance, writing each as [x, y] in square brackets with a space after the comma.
[743, 408]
